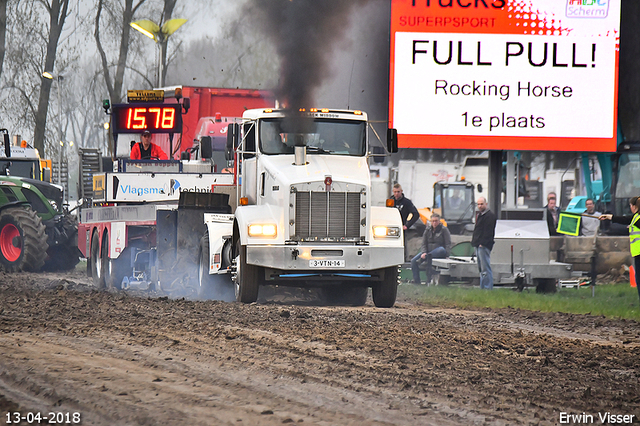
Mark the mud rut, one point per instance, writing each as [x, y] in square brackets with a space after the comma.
[125, 359]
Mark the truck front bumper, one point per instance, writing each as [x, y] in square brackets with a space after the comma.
[297, 258]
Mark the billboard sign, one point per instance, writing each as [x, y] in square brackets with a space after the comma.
[499, 74]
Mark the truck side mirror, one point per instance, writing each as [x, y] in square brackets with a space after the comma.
[206, 150]
[479, 187]
[7, 144]
[392, 141]
[233, 130]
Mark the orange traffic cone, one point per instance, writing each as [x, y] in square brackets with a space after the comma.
[632, 276]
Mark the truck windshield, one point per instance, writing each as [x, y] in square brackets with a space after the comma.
[337, 137]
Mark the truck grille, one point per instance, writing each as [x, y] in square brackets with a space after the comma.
[328, 216]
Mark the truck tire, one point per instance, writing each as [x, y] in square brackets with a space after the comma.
[112, 269]
[350, 296]
[97, 271]
[23, 241]
[246, 285]
[384, 291]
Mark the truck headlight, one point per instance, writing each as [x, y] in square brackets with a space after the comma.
[386, 231]
[263, 230]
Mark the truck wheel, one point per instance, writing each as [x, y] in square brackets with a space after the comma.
[246, 277]
[545, 285]
[384, 292]
[96, 262]
[350, 296]
[112, 270]
[23, 241]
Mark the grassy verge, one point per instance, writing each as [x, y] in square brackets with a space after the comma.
[611, 300]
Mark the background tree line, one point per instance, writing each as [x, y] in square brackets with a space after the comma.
[94, 54]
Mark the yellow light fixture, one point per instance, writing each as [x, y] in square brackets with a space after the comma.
[147, 27]
[172, 25]
[153, 30]
[263, 230]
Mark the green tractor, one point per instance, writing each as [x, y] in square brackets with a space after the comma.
[36, 231]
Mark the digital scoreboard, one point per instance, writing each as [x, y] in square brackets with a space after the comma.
[152, 117]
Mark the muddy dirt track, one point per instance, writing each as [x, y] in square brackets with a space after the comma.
[122, 359]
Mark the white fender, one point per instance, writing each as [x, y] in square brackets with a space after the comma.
[386, 216]
[220, 229]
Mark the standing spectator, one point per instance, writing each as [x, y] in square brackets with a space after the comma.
[634, 233]
[590, 225]
[553, 214]
[405, 206]
[436, 244]
[482, 240]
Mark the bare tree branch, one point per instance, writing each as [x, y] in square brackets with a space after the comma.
[3, 31]
[58, 10]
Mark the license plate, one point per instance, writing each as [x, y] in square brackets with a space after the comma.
[339, 263]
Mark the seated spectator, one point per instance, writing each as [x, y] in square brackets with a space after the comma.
[147, 150]
[436, 244]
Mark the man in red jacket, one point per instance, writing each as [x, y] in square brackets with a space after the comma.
[147, 150]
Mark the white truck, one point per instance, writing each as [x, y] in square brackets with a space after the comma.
[304, 214]
[296, 211]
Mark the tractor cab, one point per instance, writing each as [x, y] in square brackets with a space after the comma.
[455, 202]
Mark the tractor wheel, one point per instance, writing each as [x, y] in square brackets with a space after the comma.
[23, 240]
[66, 255]
[97, 270]
[384, 292]
[246, 284]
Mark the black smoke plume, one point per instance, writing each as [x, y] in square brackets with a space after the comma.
[305, 34]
